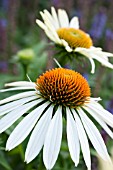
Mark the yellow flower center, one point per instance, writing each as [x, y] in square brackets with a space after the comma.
[63, 87]
[75, 37]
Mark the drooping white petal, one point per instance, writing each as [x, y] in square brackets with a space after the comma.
[107, 54]
[53, 140]
[17, 88]
[21, 84]
[63, 18]
[102, 60]
[98, 51]
[94, 136]
[74, 23]
[83, 140]
[90, 53]
[14, 115]
[99, 120]
[72, 137]
[104, 114]
[93, 65]
[18, 96]
[38, 136]
[13, 105]
[41, 24]
[23, 129]
[54, 14]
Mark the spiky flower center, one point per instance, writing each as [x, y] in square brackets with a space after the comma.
[75, 37]
[63, 87]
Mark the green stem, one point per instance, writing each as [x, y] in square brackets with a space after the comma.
[21, 151]
[25, 70]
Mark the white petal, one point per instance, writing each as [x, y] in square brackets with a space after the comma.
[38, 136]
[84, 51]
[18, 96]
[21, 83]
[96, 53]
[99, 120]
[68, 48]
[94, 136]
[74, 23]
[11, 117]
[41, 24]
[93, 65]
[54, 14]
[57, 39]
[50, 18]
[53, 140]
[49, 23]
[83, 140]
[99, 51]
[42, 15]
[64, 43]
[63, 18]
[107, 54]
[72, 136]
[95, 99]
[23, 129]
[104, 114]
[13, 105]
[16, 88]
[102, 60]
[89, 53]
[52, 34]
[51, 27]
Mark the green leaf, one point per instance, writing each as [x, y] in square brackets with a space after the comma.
[4, 162]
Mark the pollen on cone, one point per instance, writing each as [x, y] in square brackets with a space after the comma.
[63, 87]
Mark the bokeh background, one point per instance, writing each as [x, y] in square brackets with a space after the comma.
[24, 48]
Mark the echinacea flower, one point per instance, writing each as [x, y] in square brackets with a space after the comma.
[74, 40]
[57, 93]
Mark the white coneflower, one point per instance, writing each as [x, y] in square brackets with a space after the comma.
[58, 92]
[64, 33]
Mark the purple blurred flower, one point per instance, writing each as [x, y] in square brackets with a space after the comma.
[110, 106]
[3, 23]
[4, 4]
[109, 34]
[98, 25]
[3, 66]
